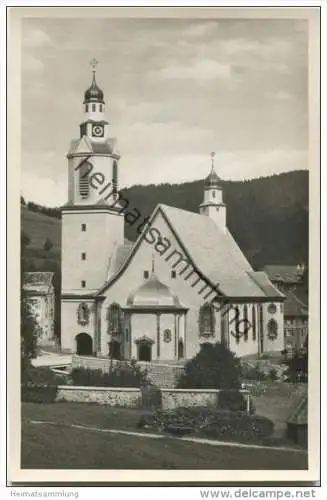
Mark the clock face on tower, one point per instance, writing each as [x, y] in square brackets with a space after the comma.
[98, 131]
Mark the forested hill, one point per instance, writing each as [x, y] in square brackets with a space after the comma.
[267, 216]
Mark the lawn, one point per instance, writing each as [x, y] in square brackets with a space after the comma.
[61, 446]
[277, 402]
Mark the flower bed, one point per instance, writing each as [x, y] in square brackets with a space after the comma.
[213, 423]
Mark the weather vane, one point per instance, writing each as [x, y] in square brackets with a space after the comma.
[153, 262]
[213, 154]
[94, 64]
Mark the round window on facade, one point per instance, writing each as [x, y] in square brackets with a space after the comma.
[272, 309]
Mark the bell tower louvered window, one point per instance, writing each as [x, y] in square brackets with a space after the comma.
[84, 183]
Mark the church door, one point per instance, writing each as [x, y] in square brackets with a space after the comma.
[145, 352]
[84, 344]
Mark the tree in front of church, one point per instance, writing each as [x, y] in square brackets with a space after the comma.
[214, 367]
[29, 328]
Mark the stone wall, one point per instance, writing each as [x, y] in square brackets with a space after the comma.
[163, 375]
[132, 397]
[174, 398]
[109, 396]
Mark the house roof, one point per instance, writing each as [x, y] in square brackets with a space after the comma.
[286, 274]
[293, 306]
[212, 251]
[38, 282]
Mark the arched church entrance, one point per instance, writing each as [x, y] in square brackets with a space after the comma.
[145, 352]
[84, 344]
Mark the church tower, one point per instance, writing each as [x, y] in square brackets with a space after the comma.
[92, 222]
[213, 205]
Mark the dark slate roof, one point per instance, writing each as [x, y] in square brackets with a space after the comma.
[285, 274]
[38, 282]
[294, 307]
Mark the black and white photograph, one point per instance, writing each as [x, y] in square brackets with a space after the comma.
[166, 242]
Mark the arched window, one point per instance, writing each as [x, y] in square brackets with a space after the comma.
[100, 108]
[214, 194]
[207, 320]
[114, 319]
[84, 185]
[93, 107]
[86, 108]
[272, 329]
[254, 324]
[180, 349]
[245, 322]
[83, 314]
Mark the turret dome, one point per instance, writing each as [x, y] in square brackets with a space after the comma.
[93, 93]
[212, 180]
[153, 293]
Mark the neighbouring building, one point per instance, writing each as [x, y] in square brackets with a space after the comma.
[39, 289]
[291, 281]
[184, 282]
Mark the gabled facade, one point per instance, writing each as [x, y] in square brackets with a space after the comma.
[184, 281]
[291, 280]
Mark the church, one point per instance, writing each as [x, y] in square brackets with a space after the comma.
[182, 283]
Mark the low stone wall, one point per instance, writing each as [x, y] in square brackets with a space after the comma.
[159, 373]
[125, 397]
[110, 396]
[174, 398]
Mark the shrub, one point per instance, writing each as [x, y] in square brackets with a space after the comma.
[234, 401]
[32, 393]
[214, 367]
[242, 428]
[40, 375]
[218, 424]
[39, 385]
[120, 376]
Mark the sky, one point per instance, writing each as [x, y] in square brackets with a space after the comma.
[175, 90]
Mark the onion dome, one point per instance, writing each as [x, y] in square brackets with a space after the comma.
[153, 293]
[212, 181]
[93, 93]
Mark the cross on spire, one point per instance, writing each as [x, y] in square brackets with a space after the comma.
[213, 154]
[93, 64]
